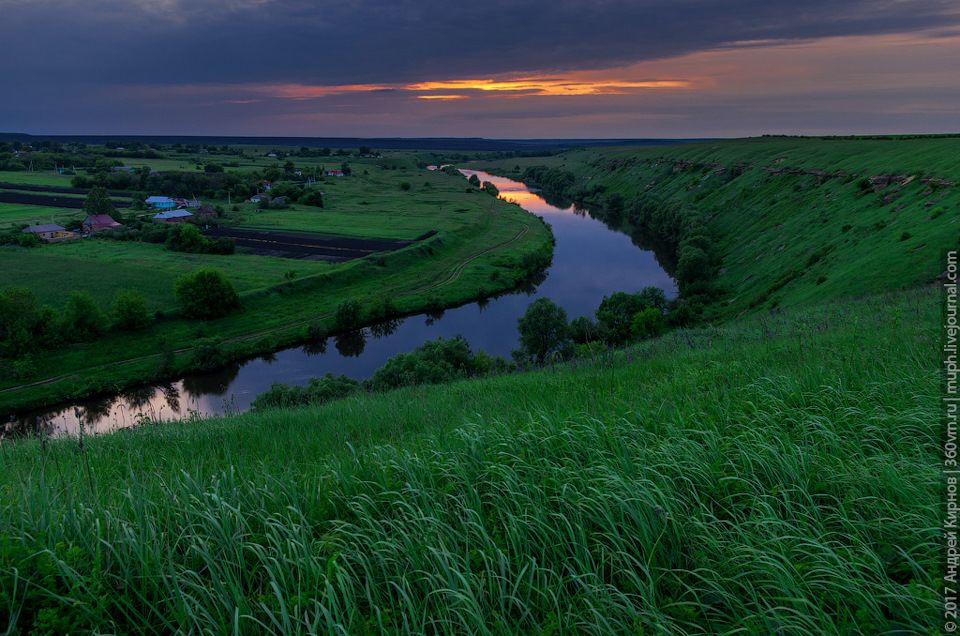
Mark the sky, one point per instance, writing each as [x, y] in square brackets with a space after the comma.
[562, 69]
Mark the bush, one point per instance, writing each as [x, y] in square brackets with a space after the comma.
[29, 240]
[208, 353]
[648, 323]
[584, 330]
[347, 314]
[313, 197]
[317, 391]
[432, 362]
[130, 310]
[82, 318]
[617, 313]
[205, 293]
[693, 265]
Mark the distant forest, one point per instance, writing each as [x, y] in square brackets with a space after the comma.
[438, 143]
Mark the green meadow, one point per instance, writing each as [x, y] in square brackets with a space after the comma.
[15, 215]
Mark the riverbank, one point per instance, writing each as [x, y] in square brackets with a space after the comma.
[792, 220]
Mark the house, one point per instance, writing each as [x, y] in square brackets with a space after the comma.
[160, 202]
[172, 216]
[186, 203]
[207, 212]
[99, 222]
[49, 233]
[334, 173]
[261, 198]
[266, 185]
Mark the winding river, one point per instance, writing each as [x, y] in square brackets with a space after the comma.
[591, 260]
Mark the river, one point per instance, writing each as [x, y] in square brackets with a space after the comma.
[591, 260]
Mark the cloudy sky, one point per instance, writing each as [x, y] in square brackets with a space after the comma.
[491, 68]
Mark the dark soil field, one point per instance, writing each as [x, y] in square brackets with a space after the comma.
[306, 246]
[40, 199]
[37, 188]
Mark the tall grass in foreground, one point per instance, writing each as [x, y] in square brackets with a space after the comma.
[774, 476]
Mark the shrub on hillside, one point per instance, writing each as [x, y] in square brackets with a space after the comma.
[130, 310]
[543, 329]
[205, 293]
[317, 391]
[82, 318]
[433, 362]
[347, 314]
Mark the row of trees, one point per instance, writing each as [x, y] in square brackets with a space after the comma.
[28, 327]
[621, 318]
[433, 362]
[678, 222]
[544, 333]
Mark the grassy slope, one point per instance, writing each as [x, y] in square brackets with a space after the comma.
[470, 227]
[769, 224]
[773, 474]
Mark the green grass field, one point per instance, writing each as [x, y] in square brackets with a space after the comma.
[13, 215]
[37, 177]
[775, 475]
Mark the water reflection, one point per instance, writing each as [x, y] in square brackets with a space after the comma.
[385, 328]
[351, 343]
[593, 257]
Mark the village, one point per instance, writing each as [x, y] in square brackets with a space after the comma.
[169, 211]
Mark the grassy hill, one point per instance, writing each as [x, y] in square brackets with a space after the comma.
[776, 472]
[795, 220]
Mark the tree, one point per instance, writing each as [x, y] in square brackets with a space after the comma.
[82, 318]
[433, 362]
[474, 180]
[130, 310]
[313, 197]
[694, 264]
[347, 314]
[98, 202]
[205, 293]
[617, 314]
[543, 328]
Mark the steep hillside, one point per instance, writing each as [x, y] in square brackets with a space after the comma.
[793, 220]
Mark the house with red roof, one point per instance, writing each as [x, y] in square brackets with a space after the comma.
[99, 223]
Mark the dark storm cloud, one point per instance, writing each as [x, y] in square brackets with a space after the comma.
[366, 41]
